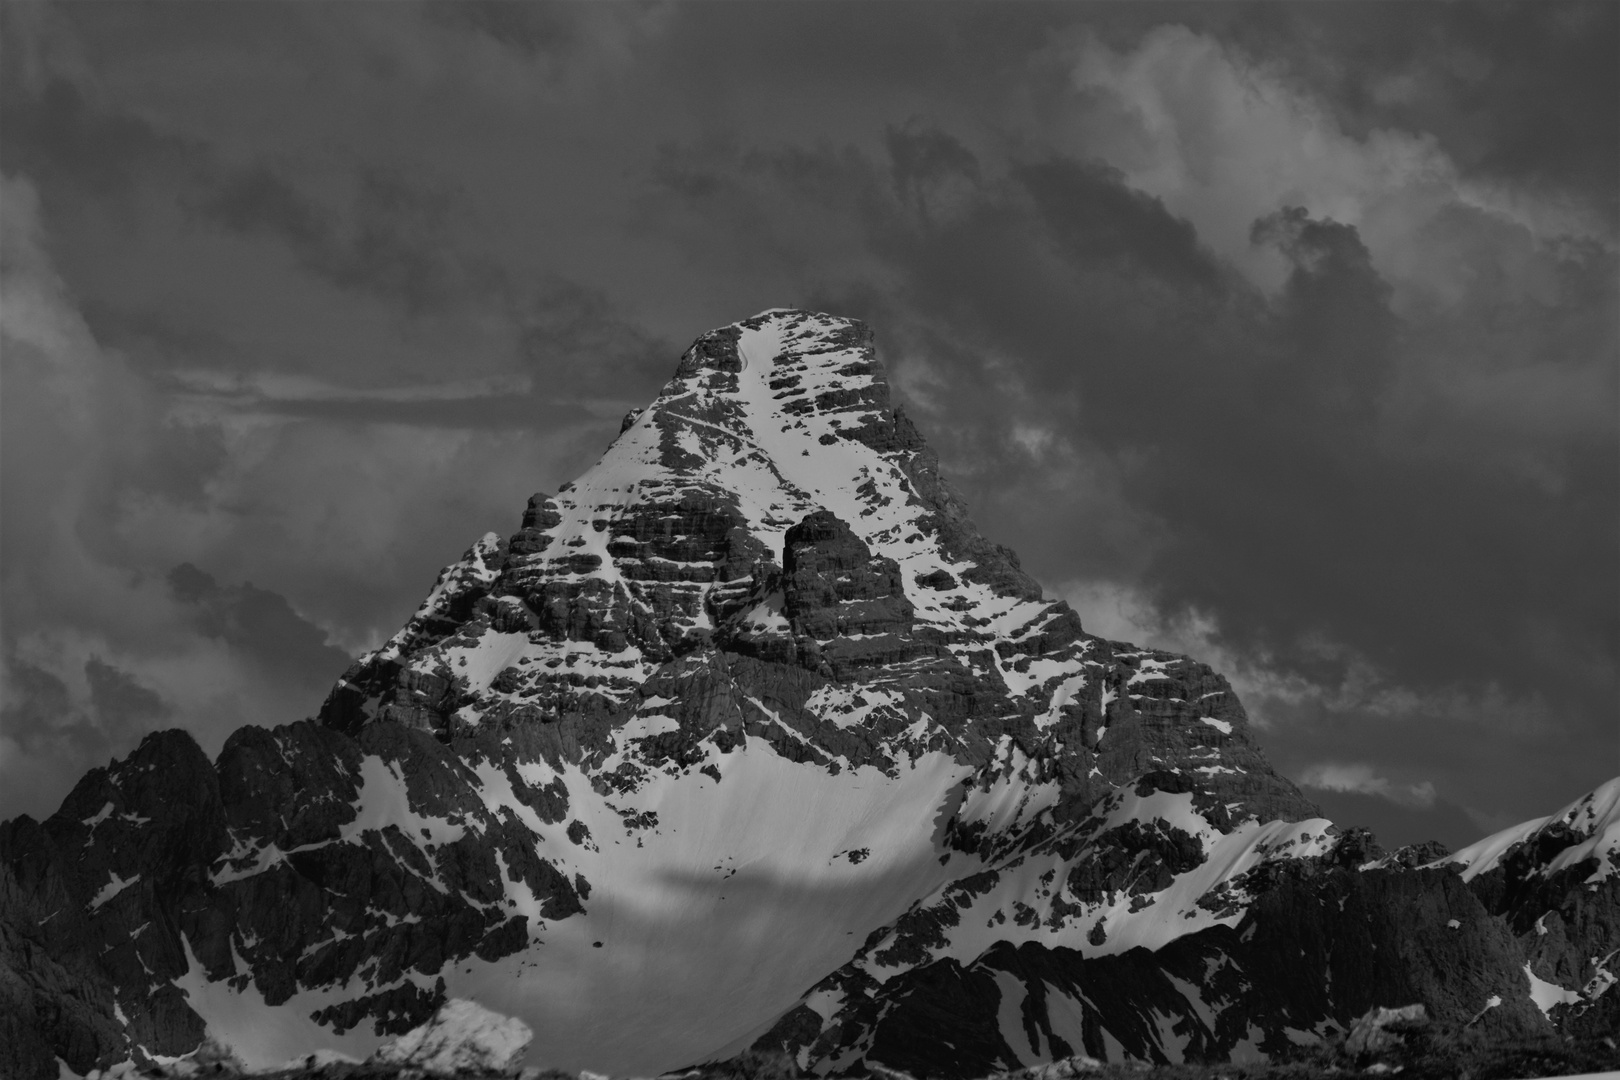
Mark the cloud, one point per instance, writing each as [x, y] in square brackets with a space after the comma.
[49, 735]
[393, 239]
[59, 134]
[263, 627]
[1225, 139]
[1103, 219]
[931, 169]
[1516, 94]
[533, 32]
[1459, 743]
[268, 388]
[1292, 327]
[1246, 458]
[119, 700]
[1279, 693]
[1396, 824]
[100, 484]
[1362, 779]
[505, 53]
[575, 340]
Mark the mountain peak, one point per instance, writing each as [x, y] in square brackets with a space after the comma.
[676, 540]
[773, 527]
[756, 678]
[787, 412]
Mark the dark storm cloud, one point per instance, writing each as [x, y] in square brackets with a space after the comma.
[388, 235]
[121, 703]
[1518, 90]
[921, 157]
[1095, 216]
[38, 704]
[394, 238]
[1491, 749]
[496, 412]
[402, 245]
[1335, 320]
[1396, 825]
[59, 137]
[41, 722]
[156, 340]
[577, 358]
[1522, 91]
[259, 200]
[1265, 443]
[425, 259]
[531, 29]
[373, 232]
[177, 463]
[1252, 426]
[577, 341]
[262, 626]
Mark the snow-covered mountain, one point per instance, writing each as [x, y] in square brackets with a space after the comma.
[749, 737]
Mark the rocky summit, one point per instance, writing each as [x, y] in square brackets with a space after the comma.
[749, 740]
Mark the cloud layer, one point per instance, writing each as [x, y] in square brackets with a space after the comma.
[1283, 336]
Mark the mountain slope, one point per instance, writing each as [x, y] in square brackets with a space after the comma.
[746, 735]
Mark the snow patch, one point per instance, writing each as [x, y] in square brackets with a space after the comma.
[733, 869]
[384, 800]
[1010, 1018]
[263, 1036]
[463, 1036]
[1063, 695]
[1546, 995]
[850, 706]
[1595, 816]
[112, 889]
[1149, 670]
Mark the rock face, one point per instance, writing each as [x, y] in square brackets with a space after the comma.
[1555, 884]
[748, 737]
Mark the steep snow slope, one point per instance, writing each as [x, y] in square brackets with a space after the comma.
[718, 916]
[1592, 822]
[1556, 882]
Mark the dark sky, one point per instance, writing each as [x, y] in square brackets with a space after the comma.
[1284, 335]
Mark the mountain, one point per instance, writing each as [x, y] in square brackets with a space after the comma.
[750, 738]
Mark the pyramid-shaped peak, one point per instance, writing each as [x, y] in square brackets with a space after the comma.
[793, 370]
[677, 538]
[785, 413]
[809, 334]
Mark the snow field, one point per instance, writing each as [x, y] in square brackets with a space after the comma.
[752, 869]
[1546, 994]
[1595, 816]
[265, 1036]
[461, 1036]
[991, 916]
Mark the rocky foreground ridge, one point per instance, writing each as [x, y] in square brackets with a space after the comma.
[749, 740]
